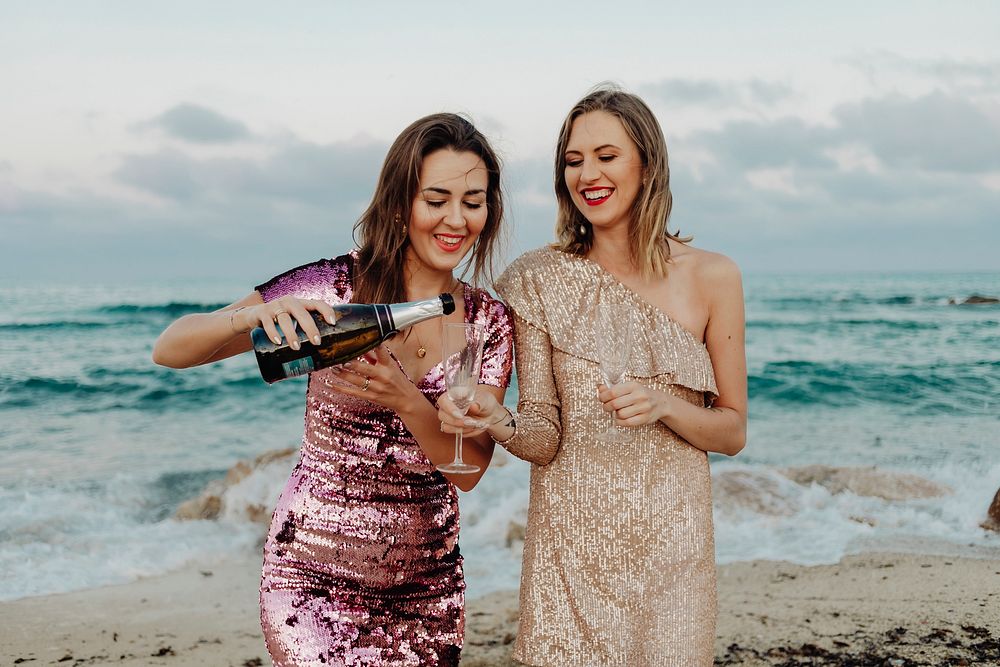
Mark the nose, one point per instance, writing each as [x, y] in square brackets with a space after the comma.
[454, 216]
[590, 171]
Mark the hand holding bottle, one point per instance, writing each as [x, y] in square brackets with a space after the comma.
[288, 312]
[323, 341]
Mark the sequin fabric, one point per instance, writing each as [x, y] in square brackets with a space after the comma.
[619, 558]
[361, 562]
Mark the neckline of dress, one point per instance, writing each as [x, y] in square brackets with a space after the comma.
[635, 296]
[465, 318]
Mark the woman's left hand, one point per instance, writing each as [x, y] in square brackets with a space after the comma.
[375, 377]
[632, 403]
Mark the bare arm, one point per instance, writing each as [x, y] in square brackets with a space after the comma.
[722, 427]
[422, 420]
[378, 379]
[536, 437]
[202, 338]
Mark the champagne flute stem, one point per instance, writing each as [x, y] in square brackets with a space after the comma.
[458, 448]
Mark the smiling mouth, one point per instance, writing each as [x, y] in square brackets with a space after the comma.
[449, 243]
[597, 196]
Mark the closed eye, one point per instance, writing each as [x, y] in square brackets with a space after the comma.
[435, 203]
[473, 204]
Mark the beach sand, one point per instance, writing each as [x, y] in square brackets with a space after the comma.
[873, 609]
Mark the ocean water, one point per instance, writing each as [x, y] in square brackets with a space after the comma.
[879, 376]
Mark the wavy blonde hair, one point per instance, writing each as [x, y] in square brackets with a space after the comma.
[648, 231]
[380, 233]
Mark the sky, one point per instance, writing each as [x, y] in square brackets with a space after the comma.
[223, 139]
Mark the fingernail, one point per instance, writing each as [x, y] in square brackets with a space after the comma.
[331, 319]
[317, 340]
[277, 340]
[348, 365]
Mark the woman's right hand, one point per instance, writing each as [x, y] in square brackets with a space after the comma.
[285, 312]
[484, 412]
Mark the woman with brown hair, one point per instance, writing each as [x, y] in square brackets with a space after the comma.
[361, 563]
[619, 561]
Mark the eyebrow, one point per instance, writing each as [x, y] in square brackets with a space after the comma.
[599, 148]
[443, 191]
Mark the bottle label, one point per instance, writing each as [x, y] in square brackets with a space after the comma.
[298, 367]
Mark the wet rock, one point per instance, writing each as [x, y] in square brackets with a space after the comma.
[993, 514]
[977, 299]
[867, 482]
[515, 533]
[756, 491]
[206, 506]
[212, 502]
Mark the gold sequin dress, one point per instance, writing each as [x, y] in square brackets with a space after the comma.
[619, 555]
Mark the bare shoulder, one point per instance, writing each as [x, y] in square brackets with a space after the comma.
[710, 269]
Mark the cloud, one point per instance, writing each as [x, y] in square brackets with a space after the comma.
[834, 220]
[169, 173]
[867, 191]
[935, 132]
[713, 93]
[198, 124]
[84, 236]
[966, 76]
[339, 176]
[763, 144]
[768, 92]
[210, 216]
[531, 207]
[894, 183]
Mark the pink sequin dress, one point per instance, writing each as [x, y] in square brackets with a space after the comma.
[361, 563]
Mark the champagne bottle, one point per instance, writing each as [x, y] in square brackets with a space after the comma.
[359, 328]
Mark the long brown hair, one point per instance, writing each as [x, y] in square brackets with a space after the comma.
[380, 231]
[648, 231]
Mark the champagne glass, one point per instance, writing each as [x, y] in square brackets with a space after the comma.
[613, 336]
[461, 357]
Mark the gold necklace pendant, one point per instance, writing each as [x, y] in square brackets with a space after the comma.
[421, 350]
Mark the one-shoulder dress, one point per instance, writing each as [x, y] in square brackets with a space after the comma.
[619, 558]
[361, 562]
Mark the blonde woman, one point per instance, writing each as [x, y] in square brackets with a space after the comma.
[619, 562]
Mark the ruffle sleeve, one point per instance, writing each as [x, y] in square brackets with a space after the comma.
[560, 293]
